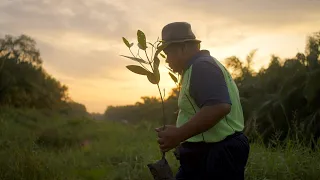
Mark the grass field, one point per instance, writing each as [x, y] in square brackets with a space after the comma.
[41, 145]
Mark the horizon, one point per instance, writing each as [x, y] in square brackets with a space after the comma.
[81, 42]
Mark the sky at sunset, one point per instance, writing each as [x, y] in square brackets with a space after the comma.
[80, 40]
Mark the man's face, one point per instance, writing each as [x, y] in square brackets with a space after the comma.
[175, 57]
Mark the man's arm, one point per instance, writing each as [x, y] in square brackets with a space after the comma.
[210, 92]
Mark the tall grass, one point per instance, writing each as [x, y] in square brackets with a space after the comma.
[38, 145]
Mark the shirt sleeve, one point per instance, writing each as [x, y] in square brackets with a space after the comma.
[207, 84]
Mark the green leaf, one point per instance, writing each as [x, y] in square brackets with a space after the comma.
[142, 40]
[170, 69]
[154, 78]
[173, 77]
[138, 69]
[156, 62]
[163, 55]
[151, 44]
[126, 42]
[158, 44]
[135, 59]
[160, 48]
[139, 46]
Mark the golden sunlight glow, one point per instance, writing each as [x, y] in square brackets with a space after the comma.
[80, 42]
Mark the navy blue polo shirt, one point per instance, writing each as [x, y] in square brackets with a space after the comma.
[207, 83]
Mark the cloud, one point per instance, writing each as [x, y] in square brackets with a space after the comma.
[76, 37]
[256, 12]
[93, 18]
[109, 20]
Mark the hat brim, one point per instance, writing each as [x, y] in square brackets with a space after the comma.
[179, 41]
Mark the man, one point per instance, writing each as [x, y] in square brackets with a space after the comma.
[210, 120]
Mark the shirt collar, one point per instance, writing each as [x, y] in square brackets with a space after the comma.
[201, 53]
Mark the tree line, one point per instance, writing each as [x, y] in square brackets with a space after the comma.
[281, 100]
[24, 83]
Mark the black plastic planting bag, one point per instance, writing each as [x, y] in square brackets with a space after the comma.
[161, 170]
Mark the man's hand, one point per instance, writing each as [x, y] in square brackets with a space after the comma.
[168, 138]
[206, 118]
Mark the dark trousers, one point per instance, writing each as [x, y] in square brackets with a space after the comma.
[223, 160]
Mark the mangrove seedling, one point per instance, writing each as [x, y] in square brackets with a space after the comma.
[160, 169]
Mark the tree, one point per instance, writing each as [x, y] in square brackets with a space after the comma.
[313, 50]
[289, 102]
[23, 80]
[20, 49]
